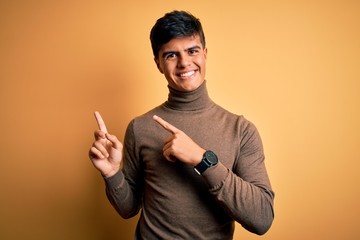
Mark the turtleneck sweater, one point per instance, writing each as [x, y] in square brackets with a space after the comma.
[175, 201]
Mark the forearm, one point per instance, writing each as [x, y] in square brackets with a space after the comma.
[249, 204]
[122, 196]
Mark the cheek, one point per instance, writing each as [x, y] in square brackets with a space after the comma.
[168, 68]
[160, 69]
[158, 65]
[201, 62]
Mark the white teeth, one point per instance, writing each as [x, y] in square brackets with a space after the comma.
[188, 74]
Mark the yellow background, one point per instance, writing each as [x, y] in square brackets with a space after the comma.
[291, 67]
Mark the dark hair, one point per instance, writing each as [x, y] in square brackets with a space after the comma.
[176, 24]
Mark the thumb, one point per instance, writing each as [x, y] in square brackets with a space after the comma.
[115, 142]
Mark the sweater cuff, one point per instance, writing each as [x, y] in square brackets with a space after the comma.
[115, 180]
[215, 176]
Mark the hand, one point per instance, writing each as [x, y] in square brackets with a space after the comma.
[106, 151]
[178, 146]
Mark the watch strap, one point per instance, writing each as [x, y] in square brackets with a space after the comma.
[202, 166]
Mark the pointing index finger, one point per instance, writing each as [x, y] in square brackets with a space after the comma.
[167, 126]
[100, 122]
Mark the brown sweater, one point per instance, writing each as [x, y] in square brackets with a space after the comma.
[176, 202]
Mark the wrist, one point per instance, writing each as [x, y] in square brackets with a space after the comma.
[110, 173]
[208, 160]
[198, 158]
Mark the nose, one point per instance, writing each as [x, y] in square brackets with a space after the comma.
[183, 61]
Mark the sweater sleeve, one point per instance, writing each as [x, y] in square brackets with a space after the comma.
[124, 190]
[245, 192]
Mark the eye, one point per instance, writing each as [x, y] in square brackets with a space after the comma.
[193, 51]
[170, 56]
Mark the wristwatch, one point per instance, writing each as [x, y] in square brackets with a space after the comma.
[209, 159]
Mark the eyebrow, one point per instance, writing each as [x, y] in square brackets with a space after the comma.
[187, 49]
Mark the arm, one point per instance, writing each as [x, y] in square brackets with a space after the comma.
[106, 156]
[245, 192]
[124, 190]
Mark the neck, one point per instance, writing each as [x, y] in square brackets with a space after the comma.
[189, 101]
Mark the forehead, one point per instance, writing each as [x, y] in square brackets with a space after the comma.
[181, 44]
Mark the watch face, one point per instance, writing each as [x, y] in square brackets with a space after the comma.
[211, 157]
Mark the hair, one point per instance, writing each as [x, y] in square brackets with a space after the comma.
[176, 24]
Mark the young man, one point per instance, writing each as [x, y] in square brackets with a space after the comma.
[192, 167]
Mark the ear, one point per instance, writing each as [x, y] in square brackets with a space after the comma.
[205, 52]
[157, 62]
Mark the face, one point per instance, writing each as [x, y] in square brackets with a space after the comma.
[182, 61]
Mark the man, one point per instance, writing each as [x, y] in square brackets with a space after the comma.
[192, 167]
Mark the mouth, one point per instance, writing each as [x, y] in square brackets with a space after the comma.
[186, 74]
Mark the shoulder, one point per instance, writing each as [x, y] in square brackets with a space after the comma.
[239, 119]
[146, 117]
[245, 128]
[144, 122]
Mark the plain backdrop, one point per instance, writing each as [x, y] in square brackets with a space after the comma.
[291, 67]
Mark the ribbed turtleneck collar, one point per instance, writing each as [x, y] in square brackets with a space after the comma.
[189, 101]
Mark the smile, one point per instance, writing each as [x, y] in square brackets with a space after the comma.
[187, 74]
